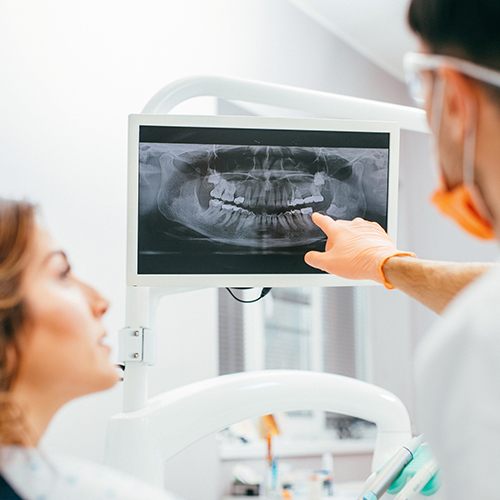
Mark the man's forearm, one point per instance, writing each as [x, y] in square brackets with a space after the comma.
[432, 283]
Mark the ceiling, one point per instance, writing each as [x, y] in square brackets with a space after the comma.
[379, 33]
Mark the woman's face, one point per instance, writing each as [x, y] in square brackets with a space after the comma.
[61, 344]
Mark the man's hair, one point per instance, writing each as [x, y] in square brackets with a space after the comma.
[468, 29]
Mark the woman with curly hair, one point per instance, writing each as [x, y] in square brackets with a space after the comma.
[51, 352]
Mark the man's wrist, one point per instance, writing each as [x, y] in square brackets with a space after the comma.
[390, 265]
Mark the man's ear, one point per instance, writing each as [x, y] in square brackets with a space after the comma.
[459, 103]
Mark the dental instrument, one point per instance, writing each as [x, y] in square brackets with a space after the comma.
[380, 482]
[327, 470]
[414, 486]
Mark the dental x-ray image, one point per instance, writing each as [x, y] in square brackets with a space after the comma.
[246, 208]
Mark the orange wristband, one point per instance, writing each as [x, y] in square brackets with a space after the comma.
[385, 282]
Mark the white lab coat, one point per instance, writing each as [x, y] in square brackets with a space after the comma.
[458, 391]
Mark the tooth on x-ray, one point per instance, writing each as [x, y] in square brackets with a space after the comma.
[261, 196]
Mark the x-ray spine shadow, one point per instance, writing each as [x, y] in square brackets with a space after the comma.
[259, 196]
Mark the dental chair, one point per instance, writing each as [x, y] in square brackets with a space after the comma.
[139, 442]
[150, 431]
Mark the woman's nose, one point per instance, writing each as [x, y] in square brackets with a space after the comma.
[98, 303]
[101, 305]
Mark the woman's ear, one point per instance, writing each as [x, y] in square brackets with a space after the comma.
[10, 352]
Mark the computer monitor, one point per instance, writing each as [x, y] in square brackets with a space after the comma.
[227, 201]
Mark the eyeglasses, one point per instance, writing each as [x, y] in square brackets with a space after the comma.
[415, 63]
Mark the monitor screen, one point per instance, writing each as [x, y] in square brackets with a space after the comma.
[238, 201]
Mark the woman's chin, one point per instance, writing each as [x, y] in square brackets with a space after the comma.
[112, 377]
[107, 378]
[111, 374]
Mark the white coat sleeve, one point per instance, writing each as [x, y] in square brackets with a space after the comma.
[458, 393]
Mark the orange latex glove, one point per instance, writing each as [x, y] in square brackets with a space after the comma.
[355, 249]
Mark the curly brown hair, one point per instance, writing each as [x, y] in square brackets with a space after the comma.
[17, 222]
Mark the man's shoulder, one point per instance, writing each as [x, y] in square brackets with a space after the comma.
[470, 323]
[457, 380]
[479, 303]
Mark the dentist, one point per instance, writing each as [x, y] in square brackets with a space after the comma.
[456, 77]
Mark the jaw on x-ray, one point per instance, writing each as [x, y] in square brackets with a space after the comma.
[260, 196]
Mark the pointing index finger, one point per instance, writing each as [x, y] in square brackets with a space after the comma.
[325, 223]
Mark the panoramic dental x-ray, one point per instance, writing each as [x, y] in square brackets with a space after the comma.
[219, 201]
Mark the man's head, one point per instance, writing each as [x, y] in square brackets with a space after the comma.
[460, 107]
[460, 28]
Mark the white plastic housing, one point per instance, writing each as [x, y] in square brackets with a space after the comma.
[139, 442]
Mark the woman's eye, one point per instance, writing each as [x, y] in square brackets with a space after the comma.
[65, 273]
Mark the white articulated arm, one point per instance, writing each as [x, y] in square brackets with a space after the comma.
[142, 440]
[321, 104]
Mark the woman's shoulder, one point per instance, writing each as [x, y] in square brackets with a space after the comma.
[107, 479]
[38, 474]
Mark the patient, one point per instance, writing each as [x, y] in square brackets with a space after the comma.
[51, 351]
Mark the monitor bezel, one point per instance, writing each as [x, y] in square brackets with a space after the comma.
[247, 122]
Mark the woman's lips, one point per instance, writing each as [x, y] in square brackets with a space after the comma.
[103, 342]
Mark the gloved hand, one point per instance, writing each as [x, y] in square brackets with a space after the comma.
[355, 249]
[420, 458]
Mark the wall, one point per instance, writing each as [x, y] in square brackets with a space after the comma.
[73, 71]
